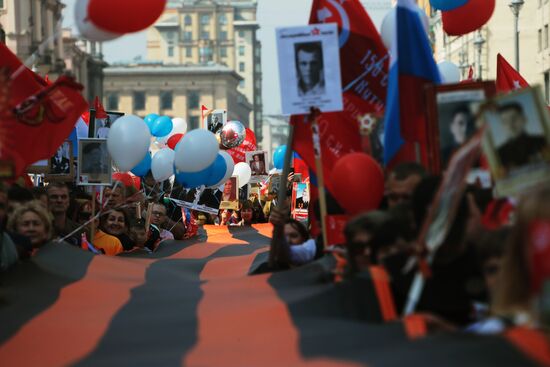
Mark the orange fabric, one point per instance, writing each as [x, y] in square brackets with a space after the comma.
[415, 326]
[110, 244]
[531, 342]
[236, 324]
[381, 282]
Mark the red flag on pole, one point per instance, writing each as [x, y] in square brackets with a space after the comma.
[38, 117]
[364, 67]
[100, 112]
[508, 79]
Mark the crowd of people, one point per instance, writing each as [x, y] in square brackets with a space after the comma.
[478, 279]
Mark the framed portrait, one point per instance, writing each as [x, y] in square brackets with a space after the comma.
[254, 192]
[309, 67]
[300, 201]
[517, 141]
[102, 125]
[230, 195]
[94, 162]
[259, 165]
[215, 119]
[452, 111]
[274, 183]
[371, 126]
[61, 165]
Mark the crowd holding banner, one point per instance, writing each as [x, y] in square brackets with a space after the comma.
[449, 227]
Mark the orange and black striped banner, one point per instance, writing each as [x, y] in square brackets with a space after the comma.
[193, 303]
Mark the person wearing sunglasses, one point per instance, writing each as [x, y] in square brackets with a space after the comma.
[159, 219]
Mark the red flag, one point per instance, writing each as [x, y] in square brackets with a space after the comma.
[100, 112]
[508, 79]
[364, 67]
[204, 111]
[38, 117]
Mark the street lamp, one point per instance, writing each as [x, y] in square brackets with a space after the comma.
[515, 6]
[478, 43]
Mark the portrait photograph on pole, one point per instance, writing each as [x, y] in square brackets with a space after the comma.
[309, 68]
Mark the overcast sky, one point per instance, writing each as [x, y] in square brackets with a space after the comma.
[271, 14]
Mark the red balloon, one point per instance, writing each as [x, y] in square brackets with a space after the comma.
[123, 177]
[357, 183]
[125, 16]
[249, 145]
[467, 18]
[174, 140]
[136, 181]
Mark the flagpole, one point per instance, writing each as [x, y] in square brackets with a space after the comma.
[314, 115]
[278, 231]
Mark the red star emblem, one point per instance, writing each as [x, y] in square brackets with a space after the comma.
[315, 32]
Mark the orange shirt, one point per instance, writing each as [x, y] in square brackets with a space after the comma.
[110, 244]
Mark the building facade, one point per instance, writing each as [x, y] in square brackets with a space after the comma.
[479, 49]
[32, 29]
[201, 32]
[174, 90]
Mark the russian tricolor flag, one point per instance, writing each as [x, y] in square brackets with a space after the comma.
[412, 67]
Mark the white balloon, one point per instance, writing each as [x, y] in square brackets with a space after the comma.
[196, 151]
[388, 27]
[230, 164]
[128, 141]
[179, 126]
[162, 165]
[85, 26]
[244, 172]
[450, 73]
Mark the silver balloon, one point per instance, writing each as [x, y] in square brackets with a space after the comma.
[232, 134]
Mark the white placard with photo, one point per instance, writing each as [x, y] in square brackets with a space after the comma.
[259, 165]
[309, 68]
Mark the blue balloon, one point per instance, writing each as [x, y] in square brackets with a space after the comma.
[217, 171]
[150, 118]
[143, 167]
[207, 177]
[162, 126]
[446, 5]
[279, 157]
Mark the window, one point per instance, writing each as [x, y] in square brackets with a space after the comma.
[205, 54]
[1, 4]
[188, 52]
[170, 36]
[193, 123]
[170, 51]
[112, 102]
[223, 51]
[205, 19]
[166, 99]
[205, 35]
[241, 50]
[139, 101]
[241, 84]
[222, 19]
[188, 20]
[241, 67]
[188, 36]
[540, 39]
[546, 36]
[193, 100]
[223, 35]
[241, 34]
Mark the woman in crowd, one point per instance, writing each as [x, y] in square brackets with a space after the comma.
[33, 221]
[116, 223]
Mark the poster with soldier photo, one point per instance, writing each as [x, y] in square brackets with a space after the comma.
[309, 68]
[517, 141]
[230, 196]
[94, 162]
[61, 166]
[102, 126]
[206, 201]
[215, 119]
[300, 201]
[259, 165]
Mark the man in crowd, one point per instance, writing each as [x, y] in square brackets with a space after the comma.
[159, 218]
[58, 204]
[402, 181]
